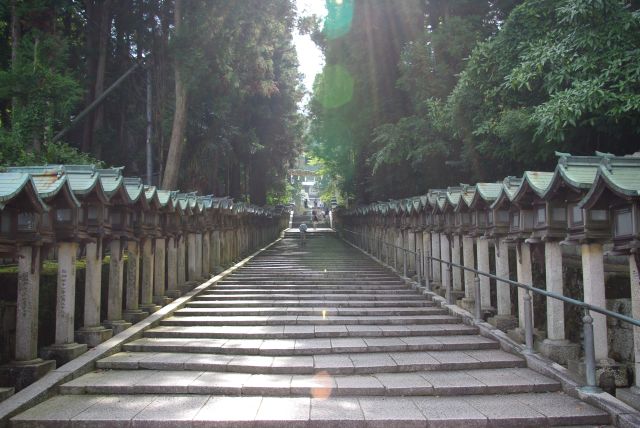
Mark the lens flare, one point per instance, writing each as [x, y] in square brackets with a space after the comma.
[323, 385]
[335, 86]
[339, 17]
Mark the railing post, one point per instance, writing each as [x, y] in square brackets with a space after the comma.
[528, 321]
[478, 301]
[427, 273]
[450, 285]
[419, 266]
[589, 353]
[395, 259]
[404, 262]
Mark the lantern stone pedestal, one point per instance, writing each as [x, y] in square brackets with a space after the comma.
[63, 353]
[92, 333]
[467, 303]
[503, 322]
[607, 371]
[560, 350]
[517, 334]
[93, 336]
[115, 320]
[20, 374]
[65, 349]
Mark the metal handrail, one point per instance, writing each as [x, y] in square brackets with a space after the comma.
[587, 319]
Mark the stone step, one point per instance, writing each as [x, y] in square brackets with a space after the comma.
[305, 297]
[323, 311]
[313, 289]
[420, 383]
[335, 364]
[232, 290]
[314, 346]
[309, 320]
[313, 282]
[176, 410]
[309, 331]
[252, 303]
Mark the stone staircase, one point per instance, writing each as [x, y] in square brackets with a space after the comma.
[312, 336]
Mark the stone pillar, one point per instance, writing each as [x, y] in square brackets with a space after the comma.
[555, 346]
[457, 272]
[435, 251]
[445, 255]
[27, 367]
[554, 283]
[192, 273]
[399, 242]
[159, 269]
[132, 312]
[503, 320]
[468, 259]
[215, 241]
[181, 276]
[65, 348]
[198, 255]
[634, 276]
[146, 291]
[593, 279]
[27, 303]
[92, 332]
[482, 245]
[426, 253]
[115, 320]
[524, 276]
[206, 254]
[411, 246]
[172, 267]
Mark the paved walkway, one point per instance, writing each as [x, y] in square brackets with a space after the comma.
[312, 336]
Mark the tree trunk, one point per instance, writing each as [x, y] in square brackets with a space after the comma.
[15, 43]
[92, 64]
[103, 42]
[176, 144]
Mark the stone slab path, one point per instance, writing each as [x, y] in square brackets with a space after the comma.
[313, 336]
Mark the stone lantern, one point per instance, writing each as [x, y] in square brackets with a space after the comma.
[169, 230]
[60, 226]
[482, 217]
[21, 209]
[94, 221]
[151, 225]
[501, 226]
[501, 207]
[616, 190]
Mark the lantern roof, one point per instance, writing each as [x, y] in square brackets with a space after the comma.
[135, 190]
[112, 182]
[14, 184]
[467, 195]
[487, 192]
[507, 191]
[50, 182]
[84, 179]
[535, 181]
[165, 197]
[578, 172]
[621, 176]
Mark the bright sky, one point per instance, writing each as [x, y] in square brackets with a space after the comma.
[309, 56]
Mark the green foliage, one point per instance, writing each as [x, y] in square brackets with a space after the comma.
[497, 85]
[558, 76]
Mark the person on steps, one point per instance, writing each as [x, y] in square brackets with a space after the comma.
[303, 234]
